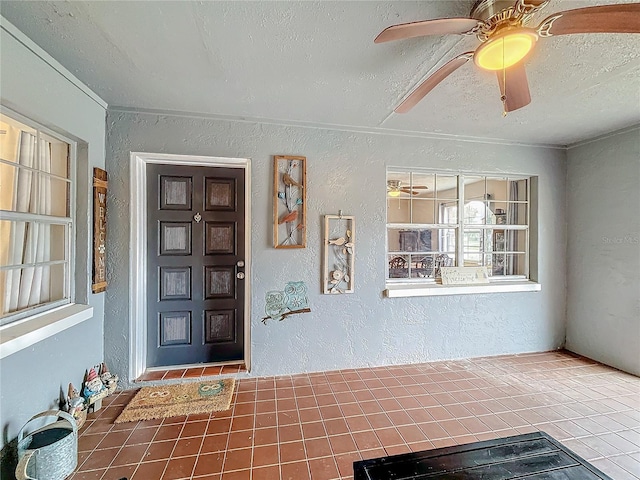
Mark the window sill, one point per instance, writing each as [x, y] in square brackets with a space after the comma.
[428, 290]
[24, 333]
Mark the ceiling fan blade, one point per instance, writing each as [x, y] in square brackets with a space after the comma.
[517, 87]
[431, 82]
[440, 26]
[623, 18]
[420, 187]
[406, 190]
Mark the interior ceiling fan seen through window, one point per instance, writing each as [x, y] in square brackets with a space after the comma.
[502, 27]
[396, 187]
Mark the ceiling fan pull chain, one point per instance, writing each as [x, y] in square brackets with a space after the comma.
[503, 95]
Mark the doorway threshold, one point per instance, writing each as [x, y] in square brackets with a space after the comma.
[191, 372]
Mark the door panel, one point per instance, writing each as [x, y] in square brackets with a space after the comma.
[175, 193]
[196, 238]
[220, 282]
[220, 194]
[175, 238]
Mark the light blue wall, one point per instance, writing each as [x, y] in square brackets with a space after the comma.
[30, 380]
[603, 250]
[346, 170]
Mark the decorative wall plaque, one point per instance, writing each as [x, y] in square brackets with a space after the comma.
[464, 275]
[289, 205]
[281, 304]
[338, 254]
[99, 230]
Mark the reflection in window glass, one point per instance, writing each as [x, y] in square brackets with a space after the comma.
[431, 229]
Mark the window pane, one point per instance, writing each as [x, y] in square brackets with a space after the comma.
[7, 186]
[515, 264]
[506, 264]
[517, 214]
[498, 241]
[474, 188]
[32, 192]
[515, 240]
[473, 243]
[443, 260]
[446, 186]
[498, 213]
[448, 212]
[31, 242]
[422, 266]
[423, 211]
[10, 134]
[445, 241]
[518, 190]
[398, 188]
[58, 196]
[398, 210]
[422, 184]
[507, 213]
[495, 264]
[476, 212]
[398, 266]
[401, 240]
[59, 154]
[497, 189]
[31, 286]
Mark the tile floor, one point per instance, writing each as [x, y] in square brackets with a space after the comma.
[314, 426]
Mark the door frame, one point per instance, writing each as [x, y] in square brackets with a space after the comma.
[138, 242]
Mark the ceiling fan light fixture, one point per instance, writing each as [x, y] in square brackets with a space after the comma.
[505, 49]
[394, 193]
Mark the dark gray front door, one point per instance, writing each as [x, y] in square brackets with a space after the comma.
[195, 258]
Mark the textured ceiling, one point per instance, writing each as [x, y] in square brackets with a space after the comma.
[315, 63]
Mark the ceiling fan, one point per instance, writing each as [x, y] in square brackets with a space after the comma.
[395, 188]
[506, 39]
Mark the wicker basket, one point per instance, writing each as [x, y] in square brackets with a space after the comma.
[49, 452]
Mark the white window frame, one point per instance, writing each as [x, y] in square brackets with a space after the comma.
[403, 287]
[68, 222]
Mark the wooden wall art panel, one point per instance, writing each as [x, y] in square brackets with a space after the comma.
[338, 254]
[99, 283]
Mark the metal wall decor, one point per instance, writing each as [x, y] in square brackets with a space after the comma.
[291, 301]
[338, 255]
[289, 205]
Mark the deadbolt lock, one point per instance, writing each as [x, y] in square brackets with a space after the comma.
[240, 263]
[240, 275]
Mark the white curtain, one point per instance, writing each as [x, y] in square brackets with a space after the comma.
[30, 242]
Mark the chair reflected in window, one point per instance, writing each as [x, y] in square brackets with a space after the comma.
[423, 267]
[442, 260]
[398, 268]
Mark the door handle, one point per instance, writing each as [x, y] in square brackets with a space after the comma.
[240, 275]
[240, 263]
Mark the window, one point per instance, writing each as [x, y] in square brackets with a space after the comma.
[439, 219]
[36, 221]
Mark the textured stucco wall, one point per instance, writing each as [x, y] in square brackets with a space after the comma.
[603, 250]
[30, 380]
[346, 170]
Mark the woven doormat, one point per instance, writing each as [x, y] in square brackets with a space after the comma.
[175, 400]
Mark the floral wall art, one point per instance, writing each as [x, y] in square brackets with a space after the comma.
[289, 206]
[338, 255]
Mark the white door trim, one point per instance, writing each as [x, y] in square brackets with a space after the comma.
[138, 242]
